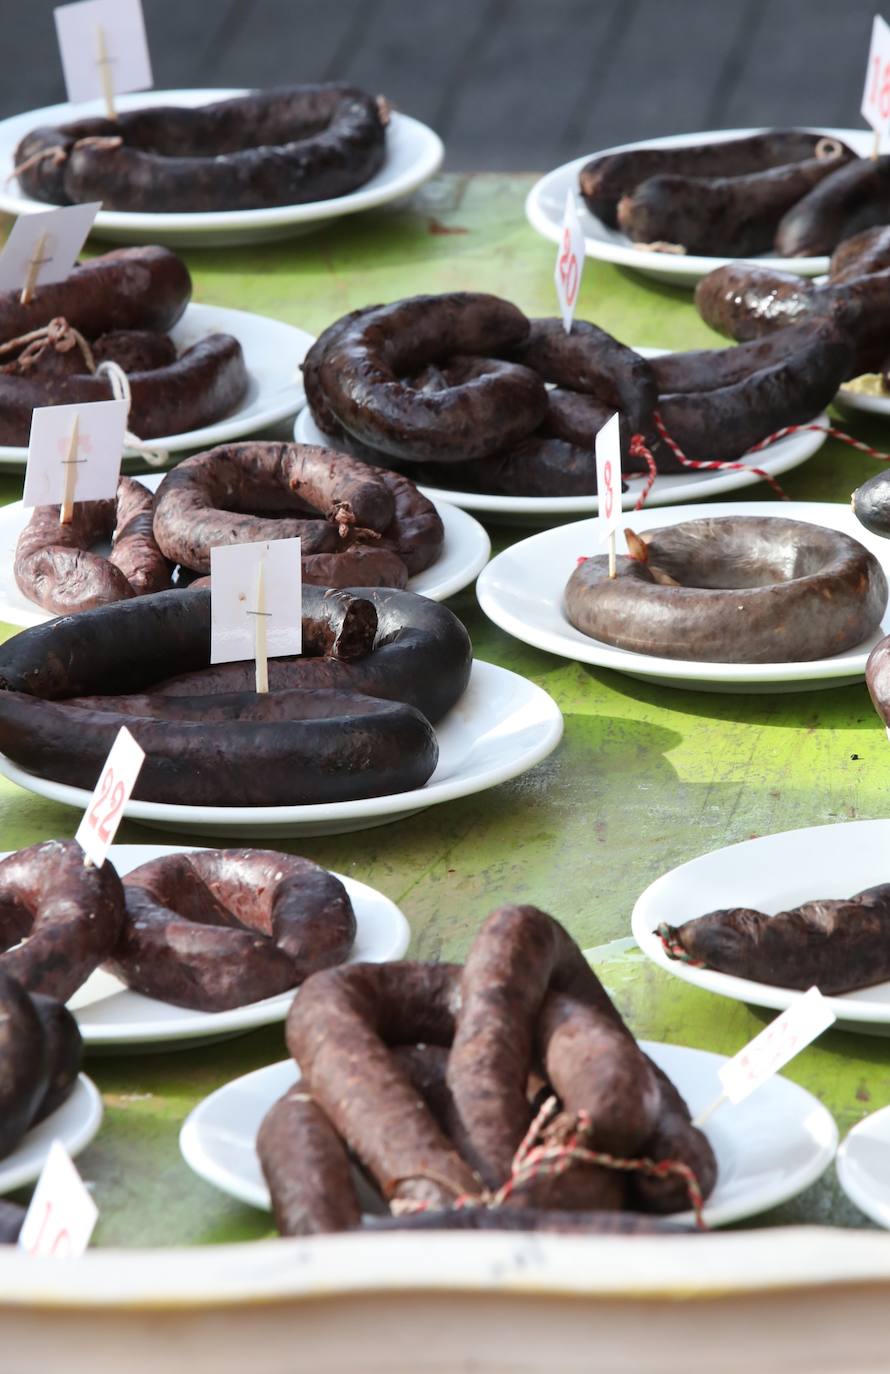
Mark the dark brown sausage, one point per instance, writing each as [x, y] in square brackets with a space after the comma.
[744, 301]
[862, 253]
[306, 1168]
[854, 197]
[64, 1053]
[591, 361]
[707, 369]
[24, 1071]
[674, 1137]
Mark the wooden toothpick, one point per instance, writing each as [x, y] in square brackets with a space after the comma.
[35, 263]
[66, 515]
[876, 146]
[104, 64]
[262, 662]
[613, 571]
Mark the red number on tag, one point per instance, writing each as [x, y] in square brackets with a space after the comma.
[608, 496]
[63, 1238]
[879, 91]
[568, 268]
[102, 824]
[885, 92]
[105, 783]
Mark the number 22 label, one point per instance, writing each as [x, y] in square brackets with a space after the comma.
[97, 830]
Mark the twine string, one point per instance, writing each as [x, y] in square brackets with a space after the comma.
[120, 391]
[674, 950]
[58, 153]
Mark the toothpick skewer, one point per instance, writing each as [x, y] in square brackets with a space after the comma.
[260, 654]
[104, 64]
[66, 515]
[35, 263]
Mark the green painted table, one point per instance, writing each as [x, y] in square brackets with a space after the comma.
[644, 779]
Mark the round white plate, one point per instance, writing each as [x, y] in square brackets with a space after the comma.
[772, 873]
[861, 400]
[465, 552]
[273, 352]
[502, 726]
[413, 154]
[108, 1013]
[769, 1147]
[74, 1124]
[668, 489]
[863, 1166]
[545, 206]
[522, 591]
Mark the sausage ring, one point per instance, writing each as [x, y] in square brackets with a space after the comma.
[40, 1056]
[221, 928]
[66, 915]
[54, 565]
[285, 146]
[215, 498]
[744, 589]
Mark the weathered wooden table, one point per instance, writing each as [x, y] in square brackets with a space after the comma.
[645, 778]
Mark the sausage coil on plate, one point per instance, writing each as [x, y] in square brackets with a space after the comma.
[285, 146]
[733, 589]
[40, 1056]
[216, 929]
[329, 729]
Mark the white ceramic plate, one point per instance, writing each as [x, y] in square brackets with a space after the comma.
[108, 1013]
[502, 726]
[74, 1123]
[769, 1147]
[522, 591]
[861, 400]
[273, 352]
[668, 489]
[772, 873]
[545, 206]
[413, 154]
[465, 552]
[863, 1166]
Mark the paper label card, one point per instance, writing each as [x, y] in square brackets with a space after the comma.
[234, 573]
[45, 246]
[608, 474]
[569, 262]
[876, 94]
[61, 1217]
[97, 830]
[97, 34]
[772, 1049]
[96, 454]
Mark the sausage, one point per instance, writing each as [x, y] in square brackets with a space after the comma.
[134, 350]
[218, 929]
[877, 678]
[674, 1137]
[707, 369]
[367, 565]
[854, 197]
[837, 946]
[591, 361]
[539, 466]
[871, 504]
[733, 215]
[745, 301]
[205, 383]
[54, 564]
[12, 1218]
[561, 1222]
[64, 1053]
[285, 146]
[605, 179]
[338, 1030]
[66, 915]
[128, 288]
[24, 1071]
[361, 367]
[306, 1168]
[740, 589]
[421, 649]
[862, 253]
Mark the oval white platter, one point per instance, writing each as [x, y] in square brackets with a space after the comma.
[522, 589]
[74, 1123]
[863, 1166]
[772, 873]
[667, 490]
[273, 352]
[849, 399]
[109, 1014]
[413, 154]
[769, 1147]
[502, 726]
[545, 206]
[465, 551]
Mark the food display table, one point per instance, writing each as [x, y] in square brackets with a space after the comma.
[646, 776]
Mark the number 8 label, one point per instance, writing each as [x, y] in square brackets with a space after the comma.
[568, 268]
[569, 261]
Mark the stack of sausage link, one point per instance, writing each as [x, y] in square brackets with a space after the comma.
[429, 1076]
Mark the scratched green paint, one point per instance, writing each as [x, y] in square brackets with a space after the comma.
[645, 777]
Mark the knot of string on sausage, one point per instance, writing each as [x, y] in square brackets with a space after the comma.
[58, 153]
[58, 334]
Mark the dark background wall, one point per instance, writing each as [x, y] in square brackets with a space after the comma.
[509, 84]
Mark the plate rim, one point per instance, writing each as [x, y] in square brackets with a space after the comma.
[76, 1141]
[846, 1178]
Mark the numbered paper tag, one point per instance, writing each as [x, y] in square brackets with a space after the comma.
[876, 95]
[44, 247]
[771, 1050]
[97, 34]
[95, 452]
[569, 262]
[234, 570]
[608, 474]
[61, 1217]
[97, 830]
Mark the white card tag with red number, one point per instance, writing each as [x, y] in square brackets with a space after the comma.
[93, 32]
[876, 95]
[234, 570]
[569, 262]
[61, 1217]
[97, 830]
[101, 426]
[608, 475]
[49, 242]
[772, 1049]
